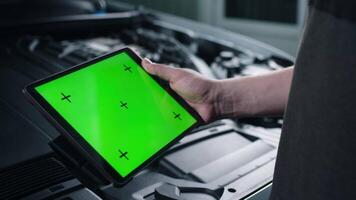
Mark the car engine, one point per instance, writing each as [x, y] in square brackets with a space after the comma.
[225, 159]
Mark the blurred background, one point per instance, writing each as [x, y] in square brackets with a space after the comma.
[275, 22]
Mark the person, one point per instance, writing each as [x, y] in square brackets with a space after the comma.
[317, 152]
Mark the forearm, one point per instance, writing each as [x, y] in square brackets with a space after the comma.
[264, 95]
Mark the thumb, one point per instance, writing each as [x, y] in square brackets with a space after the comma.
[163, 71]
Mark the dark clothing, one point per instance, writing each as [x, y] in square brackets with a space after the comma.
[317, 152]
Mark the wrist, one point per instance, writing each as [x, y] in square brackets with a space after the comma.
[233, 98]
[221, 99]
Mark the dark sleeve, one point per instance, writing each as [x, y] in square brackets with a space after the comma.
[339, 8]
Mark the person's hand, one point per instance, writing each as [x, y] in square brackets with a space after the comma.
[197, 90]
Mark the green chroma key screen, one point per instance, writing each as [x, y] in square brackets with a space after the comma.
[122, 112]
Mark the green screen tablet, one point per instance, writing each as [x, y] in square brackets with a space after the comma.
[122, 116]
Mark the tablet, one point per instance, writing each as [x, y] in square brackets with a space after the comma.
[119, 116]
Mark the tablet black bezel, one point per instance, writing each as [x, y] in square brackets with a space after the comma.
[68, 131]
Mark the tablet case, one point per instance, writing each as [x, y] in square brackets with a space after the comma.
[77, 163]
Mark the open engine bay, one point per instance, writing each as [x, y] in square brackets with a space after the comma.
[226, 159]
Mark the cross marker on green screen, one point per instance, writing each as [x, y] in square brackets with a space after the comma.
[123, 104]
[123, 154]
[127, 68]
[66, 97]
[177, 116]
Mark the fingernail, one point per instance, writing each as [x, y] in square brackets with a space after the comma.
[145, 65]
[146, 60]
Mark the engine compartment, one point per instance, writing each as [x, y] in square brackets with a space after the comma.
[226, 159]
